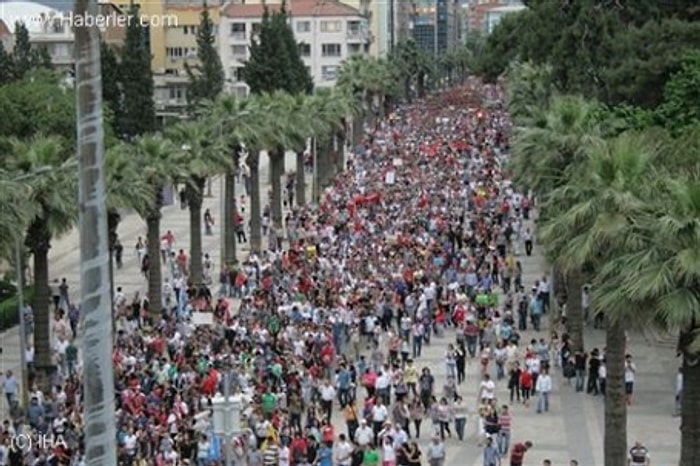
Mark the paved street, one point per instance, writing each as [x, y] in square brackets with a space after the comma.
[573, 429]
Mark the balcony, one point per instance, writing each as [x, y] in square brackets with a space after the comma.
[357, 35]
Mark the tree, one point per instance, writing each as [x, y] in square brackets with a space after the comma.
[608, 187]
[237, 128]
[53, 199]
[111, 84]
[94, 246]
[545, 157]
[37, 106]
[139, 114]
[7, 65]
[275, 63]
[201, 154]
[207, 77]
[154, 154]
[681, 105]
[22, 52]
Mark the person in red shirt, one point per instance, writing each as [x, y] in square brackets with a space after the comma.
[517, 454]
[526, 386]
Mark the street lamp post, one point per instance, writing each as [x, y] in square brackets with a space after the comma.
[226, 417]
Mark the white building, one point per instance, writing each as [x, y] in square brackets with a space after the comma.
[495, 15]
[328, 33]
[51, 28]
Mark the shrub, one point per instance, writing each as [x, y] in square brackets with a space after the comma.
[9, 314]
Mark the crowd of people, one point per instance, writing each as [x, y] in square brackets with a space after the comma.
[416, 243]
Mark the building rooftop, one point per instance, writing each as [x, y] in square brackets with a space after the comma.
[303, 8]
[33, 15]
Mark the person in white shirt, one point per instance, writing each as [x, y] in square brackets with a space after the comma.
[327, 392]
[487, 388]
[364, 434]
[343, 451]
[283, 455]
[379, 415]
[630, 371]
[543, 387]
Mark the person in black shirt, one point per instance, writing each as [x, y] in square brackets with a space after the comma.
[593, 366]
[580, 363]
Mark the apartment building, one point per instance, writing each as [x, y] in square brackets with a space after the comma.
[328, 32]
[51, 28]
[435, 24]
[481, 16]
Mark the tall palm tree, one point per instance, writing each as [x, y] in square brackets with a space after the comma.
[100, 430]
[201, 154]
[13, 201]
[592, 226]
[126, 188]
[545, 156]
[662, 278]
[236, 128]
[53, 199]
[154, 154]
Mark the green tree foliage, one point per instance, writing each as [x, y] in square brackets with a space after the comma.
[111, 83]
[681, 106]
[7, 65]
[139, 113]
[615, 51]
[25, 57]
[275, 63]
[37, 106]
[207, 77]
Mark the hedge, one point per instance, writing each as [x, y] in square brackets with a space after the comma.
[9, 313]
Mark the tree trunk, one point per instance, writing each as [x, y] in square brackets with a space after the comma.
[574, 309]
[155, 272]
[195, 197]
[255, 210]
[690, 403]
[98, 375]
[357, 130]
[229, 218]
[276, 169]
[407, 89]
[615, 443]
[300, 182]
[42, 313]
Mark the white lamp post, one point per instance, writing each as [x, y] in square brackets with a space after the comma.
[226, 417]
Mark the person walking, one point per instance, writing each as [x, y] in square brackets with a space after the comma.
[543, 388]
[517, 454]
[491, 454]
[460, 412]
[436, 452]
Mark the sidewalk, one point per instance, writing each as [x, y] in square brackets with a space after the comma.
[64, 257]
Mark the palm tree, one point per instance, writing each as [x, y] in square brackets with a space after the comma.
[545, 156]
[53, 200]
[662, 277]
[154, 154]
[591, 226]
[94, 247]
[236, 128]
[126, 188]
[201, 154]
[14, 191]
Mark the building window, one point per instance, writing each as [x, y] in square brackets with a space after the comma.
[177, 93]
[305, 50]
[175, 52]
[237, 31]
[354, 49]
[303, 26]
[239, 50]
[330, 50]
[189, 30]
[237, 75]
[329, 73]
[354, 28]
[331, 26]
